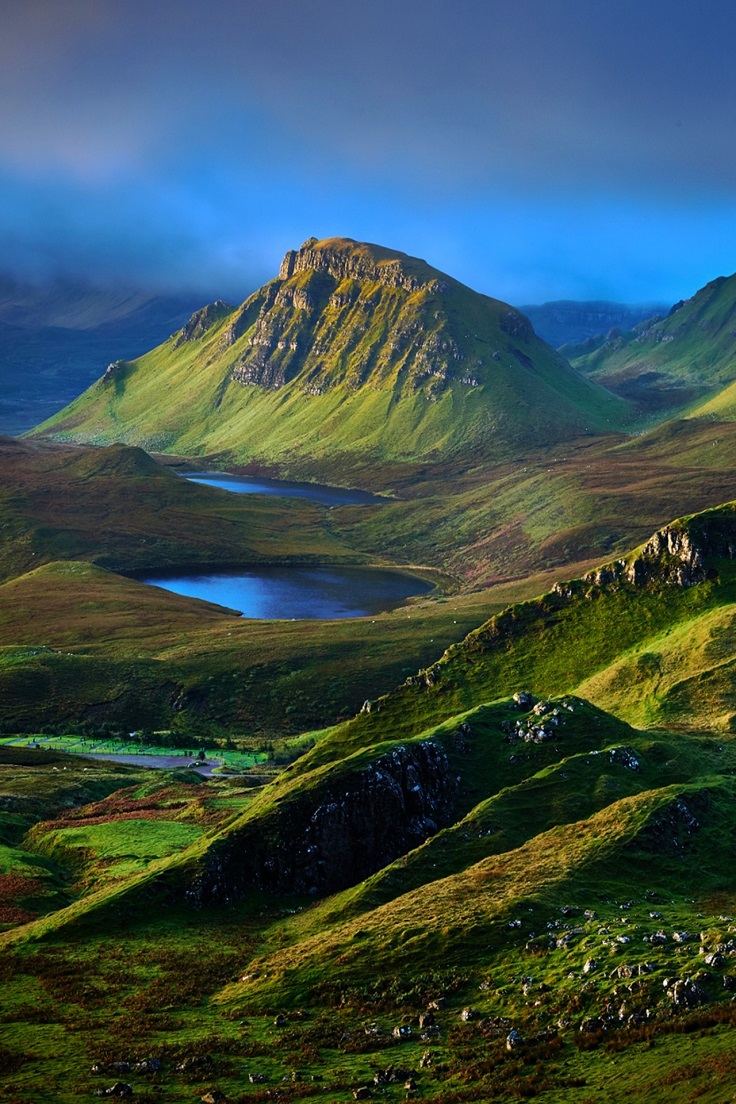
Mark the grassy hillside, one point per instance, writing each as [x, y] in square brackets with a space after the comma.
[354, 355]
[674, 361]
[81, 642]
[544, 912]
[117, 507]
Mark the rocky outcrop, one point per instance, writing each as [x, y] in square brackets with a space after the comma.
[341, 263]
[202, 321]
[347, 313]
[680, 554]
[340, 832]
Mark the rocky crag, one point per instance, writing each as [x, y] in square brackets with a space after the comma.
[338, 833]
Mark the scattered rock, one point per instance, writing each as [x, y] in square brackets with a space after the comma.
[716, 960]
[468, 1014]
[590, 966]
[514, 1040]
[280, 1020]
[523, 699]
[213, 1097]
[148, 1065]
[625, 756]
[687, 994]
[194, 1062]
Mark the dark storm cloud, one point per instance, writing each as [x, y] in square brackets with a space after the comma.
[191, 141]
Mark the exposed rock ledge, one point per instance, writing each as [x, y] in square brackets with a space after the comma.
[203, 320]
[340, 833]
[678, 554]
[341, 263]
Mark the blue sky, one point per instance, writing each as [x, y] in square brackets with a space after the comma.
[536, 150]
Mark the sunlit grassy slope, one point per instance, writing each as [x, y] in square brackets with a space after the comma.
[529, 901]
[359, 356]
[674, 361]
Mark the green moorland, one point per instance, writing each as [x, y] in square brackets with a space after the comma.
[77, 639]
[510, 873]
[477, 897]
[683, 360]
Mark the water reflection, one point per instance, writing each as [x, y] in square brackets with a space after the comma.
[296, 592]
[317, 492]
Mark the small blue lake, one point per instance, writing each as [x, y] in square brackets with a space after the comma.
[296, 593]
[317, 492]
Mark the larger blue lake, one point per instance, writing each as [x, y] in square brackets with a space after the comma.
[296, 593]
[317, 492]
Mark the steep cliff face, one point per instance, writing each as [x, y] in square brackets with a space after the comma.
[342, 312]
[203, 320]
[360, 263]
[340, 833]
[679, 554]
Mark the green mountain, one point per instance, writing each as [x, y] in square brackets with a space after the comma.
[673, 362]
[353, 355]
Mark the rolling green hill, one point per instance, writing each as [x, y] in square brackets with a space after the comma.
[354, 356]
[528, 869]
[673, 362]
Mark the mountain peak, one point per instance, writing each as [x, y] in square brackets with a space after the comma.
[344, 258]
[354, 353]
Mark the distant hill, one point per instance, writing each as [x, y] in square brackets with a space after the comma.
[569, 322]
[354, 355]
[57, 337]
[672, 362]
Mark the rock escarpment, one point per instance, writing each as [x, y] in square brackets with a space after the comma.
[345, 313]
[354, 356]
[203, 320]
[338, 833]
[679, 554]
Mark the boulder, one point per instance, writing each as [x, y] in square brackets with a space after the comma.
[687, 994]
[514, 1040]
[523, 699]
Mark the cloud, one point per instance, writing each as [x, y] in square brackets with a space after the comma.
[186, 140]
